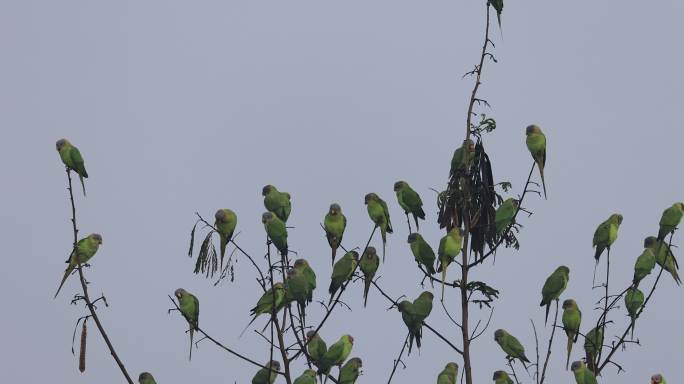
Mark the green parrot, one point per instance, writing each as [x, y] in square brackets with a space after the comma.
[448, 374]
[593, 342]
[266, 375]
[85, 249]
[316, 347]
[554, 287]
[498, 6]
[504, 214]
[225, 223]
[265, 304]
[634, 299]
[277, 202]
[413, 315]
[146, 378]
[379, 214]
[334, 224]
[300, 283]
[572, 320]
[658, 379]
[410, 201]
[501, 377]
[71, 157]
[368, 264]
[670, 220]
[276, 231]
[342, 271]
[308, 377]
[350, 371]
[462, 157]
[189, 308]
[511, 345]
[336, 354]
[536, 141]
[422, 252]
[643, 266]
[606, 234]
[664, 257]
[449, 248]
[583, 375]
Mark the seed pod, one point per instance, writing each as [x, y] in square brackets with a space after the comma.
[82, 354]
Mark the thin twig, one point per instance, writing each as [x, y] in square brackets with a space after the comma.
[536, 344]
[398, 360]
[548, 351]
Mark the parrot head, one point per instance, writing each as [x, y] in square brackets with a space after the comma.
[499, 335]
[273, 365]
[681, 206]
[179, 293]
[427, 295]
[266, 217]
[412, 238]
[221, 215]
[564, 269]
[349, 339]
[369, 253]
[145, 376]
[616, 218]
[370, 197]
[452, 366]
[355, 255]
[310, 373]
[278, 286]
[650, 242]
[499, 375]
[469, 145]
[657, 378]
[61, 143]
[299, 263]
[399, 185]
[456, 232]
[97, 237]
[576, 365]
[335, 209]
[267, 189]
[404, 306]
[515, 203]
[310, 335]
[356, 362]
[532, 129]
[569, 303]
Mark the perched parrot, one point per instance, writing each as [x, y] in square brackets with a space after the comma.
[536, 141]
[634, 299]
[410, 201]
[449, 249]
[498, 6]
[664, 257]
[334, 224]
[266, 375]
[422, 252]
[379, 214]
[593, 342]
[643, 266]
[189, 308]
[413, 315]
[504, 214]
[501, 377]
[462, 157]
[670, 220]
[511, 345]
[350, 371]
[554, 287]
[336, 354]
[71, 157]
[448, 374]
[342, 271]
[572, 319]
[265, 305]
[368, 264]
[308, 377]
[583, 375]
[300, 283]
[276, 231]
[146, 378]
[658, 379]
[606, 234]
[85, 249]
[225, 223]
[315, 347]
[277, 202]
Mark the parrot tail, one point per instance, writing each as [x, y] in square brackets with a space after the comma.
[415, 218]
[546, 319]
[411, 337]
[334, 252]
[675, 275]
[192, 334]
[250, 323]
[569, 348]
[366, 288]
[224, 242]
[633, 321]
[82, 184]
[66, 275]
[541, 174]
[443, 278]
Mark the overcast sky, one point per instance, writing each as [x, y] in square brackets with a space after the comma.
[183, 106]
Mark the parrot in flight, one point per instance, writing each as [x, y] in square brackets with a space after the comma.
[85, 249]
[410, 202]
[225, 223]
[71, 157]
[448, 374]
[379, 214]
[422, 252]
[511, 345]
[658, 379]
[368, 264]
[634, 300]
[583, 375]
[462, 157]
[189, 308]
[336, 354]
[536, 143]
[334, 224]
[342, 271]
[307, 377]
[276, 231]
[271, 300]
[671, 218]
[501, 377]
[146, 378]
[643, 266]
[301, 281]
[572, 320]
[266, 375]
[350, 371]
[664, 257]
[277, 202]
[554, 287]
[449, 248]
[504, 214]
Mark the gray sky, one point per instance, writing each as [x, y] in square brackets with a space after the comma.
[180, 107]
